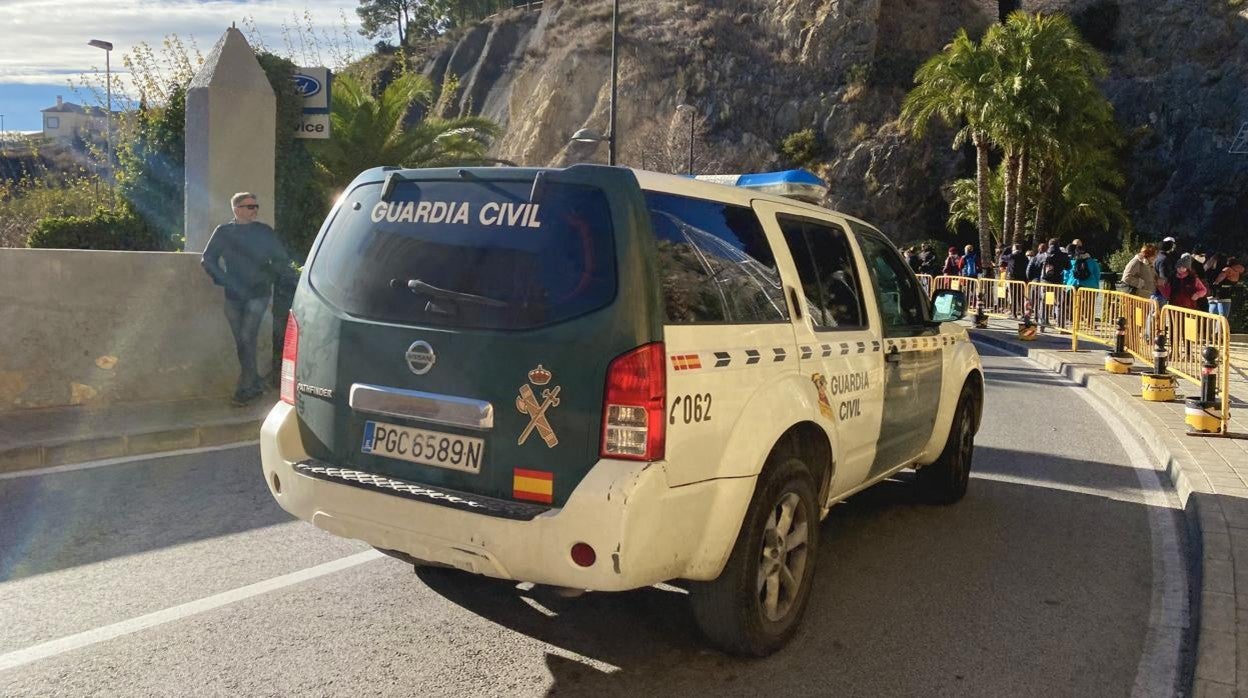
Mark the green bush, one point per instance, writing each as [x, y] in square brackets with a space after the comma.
[103, 230]
[802, 148]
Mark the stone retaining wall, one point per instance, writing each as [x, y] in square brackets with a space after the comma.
[89, 327]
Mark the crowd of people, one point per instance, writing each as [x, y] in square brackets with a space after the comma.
[1164, 272]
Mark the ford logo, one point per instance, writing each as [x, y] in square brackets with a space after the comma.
[307, 85]
[420, 357]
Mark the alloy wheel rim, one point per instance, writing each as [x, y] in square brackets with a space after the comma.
[782, 563]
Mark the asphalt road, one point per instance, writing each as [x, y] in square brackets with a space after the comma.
[1061, 573]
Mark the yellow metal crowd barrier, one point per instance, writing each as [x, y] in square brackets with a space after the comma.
[1052, 306]
[1092, 314]
[1188, 332]
[1096, 320]
[997, 297]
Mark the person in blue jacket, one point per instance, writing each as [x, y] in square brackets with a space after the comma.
[1084, 270]
[970, 262]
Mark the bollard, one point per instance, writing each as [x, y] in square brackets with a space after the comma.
[1118, 360]
[1158, 386]
[1027, 328]
[1203, 415]
[981, 318]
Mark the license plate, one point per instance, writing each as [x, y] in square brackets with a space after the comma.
[422, 446]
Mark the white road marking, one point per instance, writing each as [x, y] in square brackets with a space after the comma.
[125, 627]
[121, 460]
[1157, 673]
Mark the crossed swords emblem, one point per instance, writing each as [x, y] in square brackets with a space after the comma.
[527, 404]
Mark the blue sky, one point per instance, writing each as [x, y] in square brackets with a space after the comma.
[40, 56]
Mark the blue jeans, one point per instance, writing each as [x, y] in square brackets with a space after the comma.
[244, 317]
[1220, 306]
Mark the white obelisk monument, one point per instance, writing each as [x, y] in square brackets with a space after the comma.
[231, 115]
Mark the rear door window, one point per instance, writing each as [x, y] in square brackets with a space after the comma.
[902, 303]
[715, 265]
[825, 264]
[468, 254]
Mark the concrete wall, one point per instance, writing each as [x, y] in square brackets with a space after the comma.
[89, 327]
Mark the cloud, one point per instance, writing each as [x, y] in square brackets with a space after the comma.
[41, 50]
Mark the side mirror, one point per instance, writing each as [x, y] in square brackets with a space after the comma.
[948, 305]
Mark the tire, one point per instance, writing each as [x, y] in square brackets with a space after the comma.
[945, 480]
[750, 609]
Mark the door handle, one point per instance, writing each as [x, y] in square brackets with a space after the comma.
[893, 355]
[797, 307]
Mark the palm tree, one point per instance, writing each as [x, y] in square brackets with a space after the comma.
[955, 85]
[1043, 81]
[964, 204]
[370, 131]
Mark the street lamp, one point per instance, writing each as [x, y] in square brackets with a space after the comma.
[108, 121]
[685, 108]
[587, 135]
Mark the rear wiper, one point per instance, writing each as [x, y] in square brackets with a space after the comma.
[419, 286]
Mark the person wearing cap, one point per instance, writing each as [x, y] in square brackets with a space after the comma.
[927, 261]
[953, 263]
[1036, 265]
[1166, 265]
[1197, 259]
[970, 263]
[1016, 270]
[1084, 271]
[1186, 288]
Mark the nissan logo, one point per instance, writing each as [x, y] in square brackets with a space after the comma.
[420, 357]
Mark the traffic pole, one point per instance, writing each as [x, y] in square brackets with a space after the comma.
[1158, 386]
[1119, 360]
[1027, 328]
[1203, 415]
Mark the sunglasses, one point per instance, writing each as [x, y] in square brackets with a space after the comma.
[250, 206]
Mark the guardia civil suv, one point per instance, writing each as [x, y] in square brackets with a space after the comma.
[598, 378]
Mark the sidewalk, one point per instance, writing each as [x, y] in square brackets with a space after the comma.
[58, 436]
[1211, 478]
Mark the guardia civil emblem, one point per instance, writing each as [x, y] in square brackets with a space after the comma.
[527, 404]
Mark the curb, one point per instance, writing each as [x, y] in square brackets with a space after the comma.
[89, 448]
[1214, 672]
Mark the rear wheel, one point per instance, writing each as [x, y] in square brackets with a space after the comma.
[945, 481]
[757, 603]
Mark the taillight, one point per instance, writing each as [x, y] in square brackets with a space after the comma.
[290, 354]
[633, 414]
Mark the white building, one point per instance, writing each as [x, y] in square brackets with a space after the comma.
[67, 119]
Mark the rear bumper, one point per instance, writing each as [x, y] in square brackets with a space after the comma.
[643, 531]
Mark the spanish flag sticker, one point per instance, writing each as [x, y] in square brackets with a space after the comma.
[533, 485]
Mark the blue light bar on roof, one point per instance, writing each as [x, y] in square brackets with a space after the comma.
[795, 184]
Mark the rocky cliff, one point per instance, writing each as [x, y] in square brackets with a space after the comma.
[759, 70]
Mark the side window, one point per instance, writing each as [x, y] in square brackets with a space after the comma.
[901, 300]
[715, 265]
[825, 264]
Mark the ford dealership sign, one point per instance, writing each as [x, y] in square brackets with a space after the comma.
[307, 85]
[314, 85]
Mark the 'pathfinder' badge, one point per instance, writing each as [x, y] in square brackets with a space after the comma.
[527, 404]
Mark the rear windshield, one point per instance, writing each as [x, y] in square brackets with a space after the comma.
[473, 254]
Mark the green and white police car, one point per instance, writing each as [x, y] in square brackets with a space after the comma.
[599, 378]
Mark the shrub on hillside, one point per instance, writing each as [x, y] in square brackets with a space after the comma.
[103, 230]
[802, 148]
